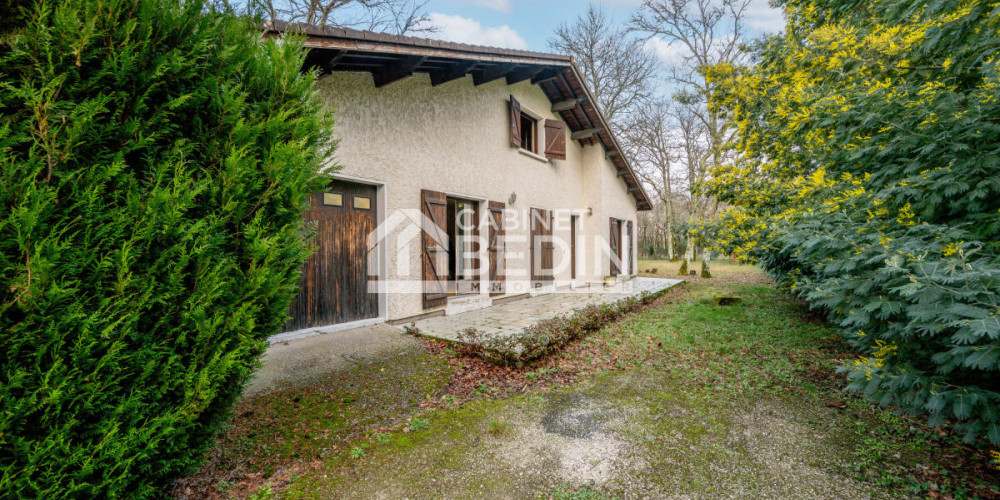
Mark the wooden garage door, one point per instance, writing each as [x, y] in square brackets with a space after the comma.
[335, 280]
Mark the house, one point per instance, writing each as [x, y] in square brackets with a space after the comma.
[469, 176]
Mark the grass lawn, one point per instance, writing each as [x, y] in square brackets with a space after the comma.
[686, 398]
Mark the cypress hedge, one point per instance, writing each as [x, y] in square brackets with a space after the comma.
[155, 160]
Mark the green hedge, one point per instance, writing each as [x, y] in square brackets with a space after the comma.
[154, 162]
[869, 184]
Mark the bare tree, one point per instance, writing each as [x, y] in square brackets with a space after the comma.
[650, 141]
[695, 145]
[399, 17]
[614, 63]
[711, 32]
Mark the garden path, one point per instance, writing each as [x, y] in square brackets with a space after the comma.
[511, 317]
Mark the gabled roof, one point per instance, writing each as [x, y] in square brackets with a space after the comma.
[392, 57]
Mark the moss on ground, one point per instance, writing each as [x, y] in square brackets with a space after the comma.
[281, 433]
[686, 398]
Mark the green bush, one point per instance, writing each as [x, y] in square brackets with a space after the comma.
[869, 184]
[155, 158]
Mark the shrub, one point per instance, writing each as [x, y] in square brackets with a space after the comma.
[549, 335]
[155, 158]
[868, 185]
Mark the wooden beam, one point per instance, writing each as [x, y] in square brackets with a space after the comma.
[332, 62]
[611, 154]
[634, 189]
[568, 104]
[586, 134]
[451, 72]
[621, 171]
[522, 75]
[546, 75]
[487, 76]
[592, 138]
[397, 71]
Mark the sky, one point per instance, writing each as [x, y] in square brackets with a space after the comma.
[528, 24]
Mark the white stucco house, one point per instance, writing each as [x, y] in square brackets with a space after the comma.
[468, 176]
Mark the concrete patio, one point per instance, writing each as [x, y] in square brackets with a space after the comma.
[300, 360]
[512, 317]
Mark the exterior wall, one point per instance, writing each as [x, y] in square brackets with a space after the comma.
[454, 138]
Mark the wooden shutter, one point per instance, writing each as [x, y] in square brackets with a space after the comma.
[547, 259]
[496, 248]
[615, 250]
[515, 122]
[434, 206]
[541, 246]
[631, 248]
[555, 140]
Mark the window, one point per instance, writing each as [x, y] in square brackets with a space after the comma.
[528, 128]
[536, 136]
[362, 203]
[333, 199]
[463, 247]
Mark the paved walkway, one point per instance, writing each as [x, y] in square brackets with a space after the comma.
[301, 361]
[512, 317]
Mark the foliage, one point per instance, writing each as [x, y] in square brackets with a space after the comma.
[154, 163]
[549, 335]
[497, 427]
[418, 424]
[586, 492]
[869, 184]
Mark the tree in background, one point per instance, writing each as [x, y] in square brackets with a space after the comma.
[869, 185]
[709, 33]
[155, 158]
[649, 139]
[696, 148]
[398, 17]
[615, 65]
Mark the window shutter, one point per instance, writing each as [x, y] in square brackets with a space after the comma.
[616, 256]
[434, 206]
[496, 248]
[631, 248]
[515, 122]
[555, 140]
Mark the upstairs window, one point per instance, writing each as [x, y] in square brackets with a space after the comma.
[529, 126]
[536, 135]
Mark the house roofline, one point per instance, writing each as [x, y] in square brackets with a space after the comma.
[393, 57]
[347, 38]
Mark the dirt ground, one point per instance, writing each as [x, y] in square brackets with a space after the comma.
[684, 399]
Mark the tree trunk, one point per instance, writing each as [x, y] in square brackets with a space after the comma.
[670, 212]
[689, 251]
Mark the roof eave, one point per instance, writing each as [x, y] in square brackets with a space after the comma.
[409, 54]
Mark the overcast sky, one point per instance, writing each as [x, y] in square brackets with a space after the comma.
[528, 24]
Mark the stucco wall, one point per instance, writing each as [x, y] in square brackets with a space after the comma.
[454, 138]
